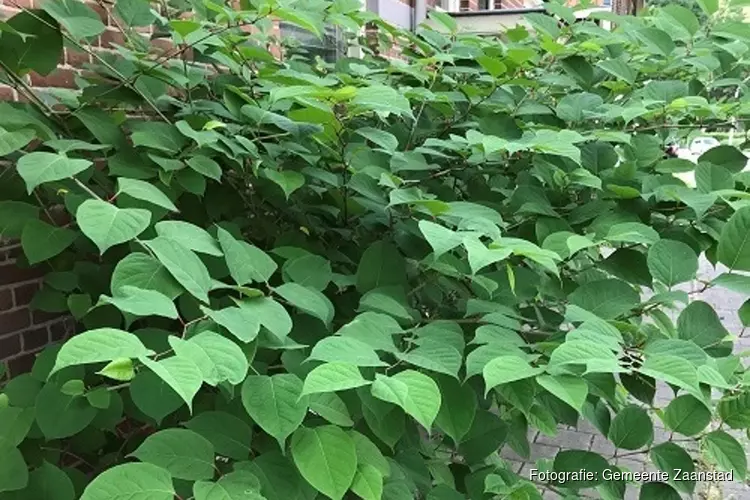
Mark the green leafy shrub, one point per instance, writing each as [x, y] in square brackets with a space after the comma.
[298, 280]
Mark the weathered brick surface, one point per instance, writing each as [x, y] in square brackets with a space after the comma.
[24, 332]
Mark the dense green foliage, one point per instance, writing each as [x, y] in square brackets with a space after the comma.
[300, 280]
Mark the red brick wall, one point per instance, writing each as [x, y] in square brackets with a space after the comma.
[23, 332]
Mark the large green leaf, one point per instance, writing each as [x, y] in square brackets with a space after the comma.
[672, 262]
[383, 100]
[141, 270]
[80, 20]
[13, 141]
[239, 321]
[40, 52]
[726, 453]
[275, 403]
[507, 369]
[631, 428]
[246, 262]
[107, 226]
[686, 415]
[14, 474]
[458, 408]
[670, 458]
[37, 168]
[131, 481]
[571, 389]
[15, 424]
[61, 415]
[567, 461]
[41, 241]
[332, 377]
[141, 302]
[327, 458]
[348, 350]
[734, 244]
[417, 394]
[145, 191]
[183, 265]
[381, 265]
[180, 374]
[607, 298]
[237, 485]
[218, 358]
[182, 452]
[307, 300]
[98, 346]
[229, 435]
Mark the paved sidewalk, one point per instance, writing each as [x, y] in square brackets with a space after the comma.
[587, 437]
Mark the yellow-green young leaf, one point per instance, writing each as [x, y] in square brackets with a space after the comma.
[631, 428]
[118, 369]
[107, 226]
[218, 358]
[184, 453]
[507, 369]
[417, 394]
[14, 473]
[568, 388]
[332, 377]
[368, 483]
[180, 374]
[140, 302]
[288, 180]
[41, 241]
[237, 485]
[15, 140]
[230, 435]
[246, 262]
[183, 265]
[275, 403]
[326, 457]
[724, 450]
[134, 481]
[145, 191]
[37, 168]
[98, 346]
[189, 235]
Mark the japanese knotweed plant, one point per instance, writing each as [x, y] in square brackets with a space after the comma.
[296, 279]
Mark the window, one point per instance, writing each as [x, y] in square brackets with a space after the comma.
[331, 47]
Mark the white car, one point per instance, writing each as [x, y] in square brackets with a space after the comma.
[700, 145]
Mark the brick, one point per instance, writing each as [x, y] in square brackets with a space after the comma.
[7, 93]
[11, 274]
[39, 317]
[25, 293]
[10, 346]
[76, 58]
[21, 364]
[35, 339]
[61, 78]
[60, 330]
[14, 321]
[100, 10]
[110, 37]
[6, 300]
